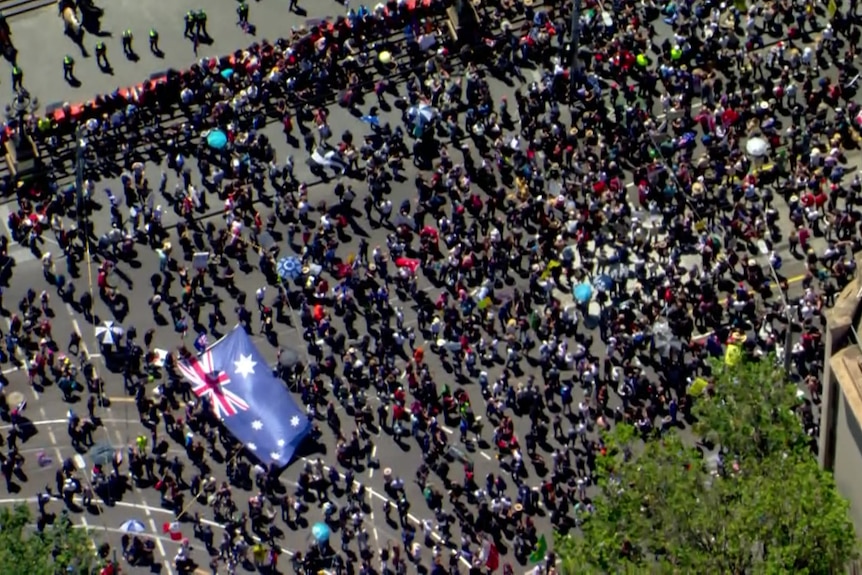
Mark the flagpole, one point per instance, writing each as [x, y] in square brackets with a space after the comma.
[296, 323]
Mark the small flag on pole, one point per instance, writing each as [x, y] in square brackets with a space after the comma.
[489, 555]
[538, 554]
[173, 530]
[201, 342]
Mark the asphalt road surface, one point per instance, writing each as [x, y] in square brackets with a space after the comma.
[41, 44]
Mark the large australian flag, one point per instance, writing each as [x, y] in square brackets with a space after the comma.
[233, 378]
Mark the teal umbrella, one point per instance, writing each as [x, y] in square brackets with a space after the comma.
[583, 292]
[320, 532]
[217, 140]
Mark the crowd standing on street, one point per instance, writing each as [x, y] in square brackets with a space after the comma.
[543, 250]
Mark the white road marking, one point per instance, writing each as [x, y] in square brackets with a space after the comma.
[55, 445]
[485, 455]
[146, 509]
[410, 517]
[371, 469]
[63, 421]
[160, 545]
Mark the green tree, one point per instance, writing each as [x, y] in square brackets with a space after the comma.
[25, 551]
[764, 506]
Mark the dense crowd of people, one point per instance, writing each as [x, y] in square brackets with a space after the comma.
[523, 222]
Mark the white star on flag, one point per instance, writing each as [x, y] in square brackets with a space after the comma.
[275, 455]
[294, 421]
[251, 446]
[281, 443]
[245, 365]
[257, 425]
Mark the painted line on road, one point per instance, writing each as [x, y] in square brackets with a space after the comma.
[159, 544]
[139, 507]
[371, 469]
[371, 513]
[382, 497]
[52, 437]
[41, 422]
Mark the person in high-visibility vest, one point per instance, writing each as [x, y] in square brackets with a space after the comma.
[141, 440]
[201, 24]
[154, 41]
[190, 24]
[127, 42]
[102, 55]
[68, 68]
[17, 78]
[242, 12]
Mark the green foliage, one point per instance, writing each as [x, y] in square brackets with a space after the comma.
[665, 508]
[24, 551]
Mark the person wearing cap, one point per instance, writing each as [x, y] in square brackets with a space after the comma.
[154, 41]
[68, 68]
[102, 55]
[127, 42]
[17, 78]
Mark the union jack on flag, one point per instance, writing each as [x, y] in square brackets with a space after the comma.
[252, 404]
[208, 382]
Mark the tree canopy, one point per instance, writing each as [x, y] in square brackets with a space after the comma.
[25, 551]
[758, 504]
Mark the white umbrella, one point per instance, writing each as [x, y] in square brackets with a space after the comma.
[133, 526]
[757, 147]
[108, 333]
[421, 114]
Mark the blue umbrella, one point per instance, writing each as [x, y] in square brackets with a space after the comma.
[583, 292]
[373, 120]
[320, 532]
[217, 140]
[289, 268]
[603, 282]
[133, 526]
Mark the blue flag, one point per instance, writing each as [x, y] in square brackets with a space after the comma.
[234, 379]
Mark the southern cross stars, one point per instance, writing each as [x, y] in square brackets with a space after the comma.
[257, 425]
[244, 366]
[294, 421]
